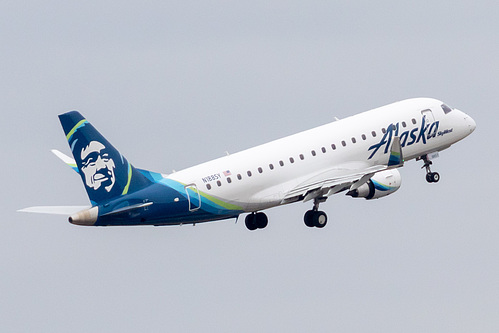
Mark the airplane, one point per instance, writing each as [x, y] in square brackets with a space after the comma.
[359, 155]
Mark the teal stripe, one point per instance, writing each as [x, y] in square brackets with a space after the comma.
[380, 186]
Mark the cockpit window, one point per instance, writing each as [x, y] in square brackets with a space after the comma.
[446, 108]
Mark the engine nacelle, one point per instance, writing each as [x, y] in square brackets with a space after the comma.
[380, 185]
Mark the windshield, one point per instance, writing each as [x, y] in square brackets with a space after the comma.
[446, 108]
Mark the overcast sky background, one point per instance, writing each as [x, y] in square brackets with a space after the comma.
[175, 83]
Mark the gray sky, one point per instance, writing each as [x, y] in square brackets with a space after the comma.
[173, 84]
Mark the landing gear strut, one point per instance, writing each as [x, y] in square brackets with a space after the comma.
[315, 217]
[255, 221]
[431, 177]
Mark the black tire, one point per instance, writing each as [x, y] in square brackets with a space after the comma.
[250, 222]
[429, 178]
[435, 177]
[261, 220]
[308, 218]
[320, 219]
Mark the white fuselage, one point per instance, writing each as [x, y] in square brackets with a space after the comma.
[263, 176]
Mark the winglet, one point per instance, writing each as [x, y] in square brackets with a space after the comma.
[396, 158]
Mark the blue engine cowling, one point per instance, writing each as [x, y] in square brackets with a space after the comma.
[380, 185]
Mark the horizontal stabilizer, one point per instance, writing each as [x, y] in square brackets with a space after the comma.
[56, 210]
[66, 159]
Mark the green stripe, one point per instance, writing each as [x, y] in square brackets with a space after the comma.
[125, 190]
[214, 200]
[221, 203]
[73, 130]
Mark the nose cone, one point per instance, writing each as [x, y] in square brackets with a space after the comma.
[471, 124]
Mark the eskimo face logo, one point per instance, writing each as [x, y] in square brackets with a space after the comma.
[97, 166]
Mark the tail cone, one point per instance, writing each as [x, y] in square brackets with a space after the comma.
[85, 217]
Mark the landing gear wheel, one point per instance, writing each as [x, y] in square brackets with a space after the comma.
[316, 219]
[250, 222]
[435, 177]
[429, 178]
[432, 177]
[319, 219]
[255, 221]
[308, 218]
[261, 220]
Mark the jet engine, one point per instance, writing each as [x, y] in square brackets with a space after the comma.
[380, 185]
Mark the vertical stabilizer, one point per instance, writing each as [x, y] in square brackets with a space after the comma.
[105, 173]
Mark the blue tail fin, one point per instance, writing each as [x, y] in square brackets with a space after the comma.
[104, 171]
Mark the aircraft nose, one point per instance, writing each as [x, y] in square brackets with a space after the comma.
[471, 123]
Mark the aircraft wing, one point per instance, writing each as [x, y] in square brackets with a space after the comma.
[333, 181]
[350, 176]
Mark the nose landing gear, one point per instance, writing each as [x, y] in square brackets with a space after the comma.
[431, 177]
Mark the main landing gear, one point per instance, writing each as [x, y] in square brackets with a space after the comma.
[255, 221]
[431, 177]
[312, 218]
[315, 217]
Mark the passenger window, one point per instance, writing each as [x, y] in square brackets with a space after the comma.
[313, 152]
[260, 170]
[208, 186]
[373, 133]
[414, 121]
[229, 180]
[239, 176]
[271, 166]
[404, 124]
[249, 173]
[302, 157]
[383, 130]
[219, 183]
[354, 140]
[364, 137]
[343, 143]
[281, 163]
[292, 160]
[323, 150]
[333, 146]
